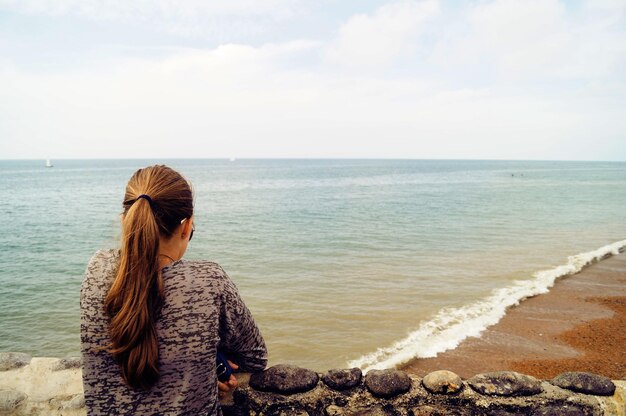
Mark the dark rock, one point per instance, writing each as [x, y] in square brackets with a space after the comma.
[12, 360]
[387, 383]
[342, 379]
[341, 401]
[240, 397]
[505, 383]
[10, 399]
[284, 379]
[554, 410]
[68, 363]
[585, 383]
[443, 382]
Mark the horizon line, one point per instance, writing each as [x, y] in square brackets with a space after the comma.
[314, 158]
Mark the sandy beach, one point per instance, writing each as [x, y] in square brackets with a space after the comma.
[580, 325]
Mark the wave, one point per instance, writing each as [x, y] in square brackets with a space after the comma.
[452, 325]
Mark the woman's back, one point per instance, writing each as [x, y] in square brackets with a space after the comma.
[201, 312]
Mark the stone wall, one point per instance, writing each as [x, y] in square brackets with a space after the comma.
[287, 390]
[51, 386]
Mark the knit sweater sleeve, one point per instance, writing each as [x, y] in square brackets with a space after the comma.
[240, 337]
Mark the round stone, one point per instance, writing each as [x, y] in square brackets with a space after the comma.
[342, 379]
[387, 383]
[13, 360]
[505, 383]
[443, 382]
[10, 399]
[284, 379]
[586, 383]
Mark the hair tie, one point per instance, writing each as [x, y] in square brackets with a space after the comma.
[146, 197]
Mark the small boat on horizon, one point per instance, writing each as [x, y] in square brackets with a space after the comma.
[49, 164]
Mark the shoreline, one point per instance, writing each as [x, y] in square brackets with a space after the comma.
[579, 325]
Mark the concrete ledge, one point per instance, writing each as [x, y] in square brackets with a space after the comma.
[42, 386]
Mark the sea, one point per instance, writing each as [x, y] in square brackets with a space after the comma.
[365, 263]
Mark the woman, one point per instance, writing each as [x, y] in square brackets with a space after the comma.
[151, 323]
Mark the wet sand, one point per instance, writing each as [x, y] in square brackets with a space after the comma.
[580, 325]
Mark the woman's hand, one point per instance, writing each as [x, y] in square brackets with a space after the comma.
[230, 385]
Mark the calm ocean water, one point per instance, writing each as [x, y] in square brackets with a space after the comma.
[336, 258]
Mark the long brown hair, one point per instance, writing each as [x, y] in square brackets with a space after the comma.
[134, 300]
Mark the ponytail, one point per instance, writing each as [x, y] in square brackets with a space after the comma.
[134, 300]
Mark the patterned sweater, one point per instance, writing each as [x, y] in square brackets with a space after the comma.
[202, 312]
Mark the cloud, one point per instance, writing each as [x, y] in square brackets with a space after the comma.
[537, 38]
[503, 40]
[492, 80]
[239, 100]
[392, 31]
[220, 19]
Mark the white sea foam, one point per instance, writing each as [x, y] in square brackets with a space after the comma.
[452, 325]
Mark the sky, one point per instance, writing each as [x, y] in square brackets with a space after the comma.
[488, 79]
